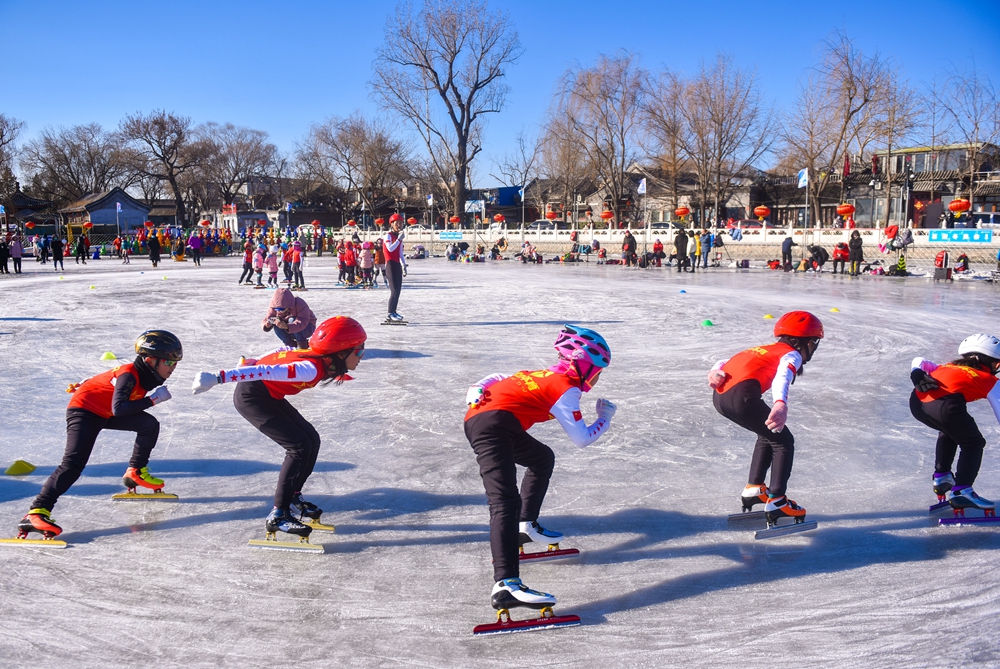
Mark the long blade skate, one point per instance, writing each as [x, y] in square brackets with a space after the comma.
[318, 526]
[748, 517]
[940, 506]
[300, 546]
[40, 543]
[553, 552]
[782, 530]
[989, 517]
[389, 321]
[504, 624]
[132, 496]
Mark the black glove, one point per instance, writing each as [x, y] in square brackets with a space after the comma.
[922, 381]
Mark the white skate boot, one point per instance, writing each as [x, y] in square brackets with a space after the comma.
[532, 531]
[510, 593]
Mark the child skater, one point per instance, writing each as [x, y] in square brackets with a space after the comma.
[366, 262]
[272, 266]
[113, 400]
[939, 399]
[501, 409]
[739, 383]
[247, 274]
[286, 262]
[335, 348]
[258, 264]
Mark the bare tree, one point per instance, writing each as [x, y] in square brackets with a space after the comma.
[10, 129]
[972, 103]
[68, 163]
[937, 123]
[897, 116]
[359, 155]
[169, 148]
[830, 105]
[603, 106]
[443, 70]
[563, 161]
[519, 166]
[668, 130]
[729, 128]
[233, 156]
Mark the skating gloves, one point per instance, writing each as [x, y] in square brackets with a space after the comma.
[474, 396]
[776, 419]
[161, 394]
[605, 409]
[716, 378]
[205, 381]
[922, 381]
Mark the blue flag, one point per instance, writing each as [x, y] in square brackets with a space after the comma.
[119, 205]
[641, 190]
[804, 178]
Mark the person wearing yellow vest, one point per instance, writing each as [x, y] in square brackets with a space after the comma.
[262, 385]
[114, 400]
[941, 394]
[501, 409]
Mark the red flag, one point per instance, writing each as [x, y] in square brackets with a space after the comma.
[847, 166]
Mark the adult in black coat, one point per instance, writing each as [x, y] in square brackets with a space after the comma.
[786, 253]
[4, 256]
[153, 243]
[855, 256]
[57, 253]
[681, 248]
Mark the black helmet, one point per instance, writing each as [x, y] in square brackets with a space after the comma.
[159, 344]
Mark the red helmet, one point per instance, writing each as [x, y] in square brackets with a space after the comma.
[798, 324]
[395, 217]
[337, 334]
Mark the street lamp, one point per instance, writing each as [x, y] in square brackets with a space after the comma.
[871, 186]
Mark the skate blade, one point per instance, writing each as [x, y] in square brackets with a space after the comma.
[295, 546]
[144, 497]
[939, 507]
[318, 526]
[980, 518]
[782, 530]
[395, 322]
[511, 626]
[748, 517]
[43, 543]
[544, 556]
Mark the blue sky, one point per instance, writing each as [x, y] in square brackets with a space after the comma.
[279, 67]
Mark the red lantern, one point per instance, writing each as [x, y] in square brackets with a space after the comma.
[959, 205]
[207, 223]
[380, 222]
[552, 215]
[681, 212]
[30, 225]
[454, 219]
[262, 223]
[845, 209]
[411, 221]
[395, 217]
[762, 212]
[499, 218]
[316, 224]
[352, 222]
[88, 225]
[149, 224]
[607, 215]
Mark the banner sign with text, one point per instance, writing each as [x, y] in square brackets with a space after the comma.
[961, 236]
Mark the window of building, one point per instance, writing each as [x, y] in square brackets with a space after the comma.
[919, 162]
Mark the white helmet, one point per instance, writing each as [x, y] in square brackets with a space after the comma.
[983, 344]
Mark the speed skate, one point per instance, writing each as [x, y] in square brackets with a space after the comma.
[270, 542]
[506, 625]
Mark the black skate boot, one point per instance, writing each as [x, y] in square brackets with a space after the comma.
[943, 482]
[305, 509]
[280, 520]
[38, 520]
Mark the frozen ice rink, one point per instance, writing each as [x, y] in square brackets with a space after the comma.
[663, 580]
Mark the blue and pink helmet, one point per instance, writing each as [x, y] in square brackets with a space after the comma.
[583, 350]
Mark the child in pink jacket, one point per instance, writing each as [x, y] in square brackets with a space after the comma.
[258, 264]
[272, 267]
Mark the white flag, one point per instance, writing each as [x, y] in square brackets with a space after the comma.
[430, 200]
[641, 190]
[804, 178]
[119, 204]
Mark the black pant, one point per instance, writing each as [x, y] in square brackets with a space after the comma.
[950, 417]
[743, 405]
[786, 259]
[3, 265]
[247, 272]
[280, 421]
[196, 256]
[843, 266]
[57, 260]
[82, 428]
[297, 277]
[394, 275]
[17, 265]
[500, 444]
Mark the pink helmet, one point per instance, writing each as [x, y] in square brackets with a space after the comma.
[583, 350]
[366, 245]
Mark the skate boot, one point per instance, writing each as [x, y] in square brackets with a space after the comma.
[532, 531]
[305, 509]
[38, 520]
[965, 497]
[782, 507]
[943, 482]
[394, 317]
[141, 478]
[510, 593]
[281, 520]
[753, 494]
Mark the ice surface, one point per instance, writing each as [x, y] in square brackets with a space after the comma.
[663, 579]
